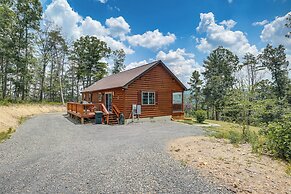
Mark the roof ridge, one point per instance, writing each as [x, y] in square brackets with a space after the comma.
[130, 69]
[136, 70]
[141, 66]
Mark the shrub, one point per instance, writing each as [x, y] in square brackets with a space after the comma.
[200, 116]
[278, 138]
[5, 135]
[235, 137]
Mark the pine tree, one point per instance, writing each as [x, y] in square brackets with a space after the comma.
[220, 67]
[118, 60]
[274, 59]
[195, 88]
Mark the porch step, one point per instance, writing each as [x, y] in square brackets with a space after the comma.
[113, 120]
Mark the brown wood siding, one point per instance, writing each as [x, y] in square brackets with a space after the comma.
[158, 80]
[117, 97]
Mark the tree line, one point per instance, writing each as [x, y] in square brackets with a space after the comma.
[255, 91]
[38, 64]
[231, 90]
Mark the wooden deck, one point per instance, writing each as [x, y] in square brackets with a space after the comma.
[81, 111]
[87, 111]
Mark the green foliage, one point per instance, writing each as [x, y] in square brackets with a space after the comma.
[274, 59]
[200, 116]
[267, 111]
[237, 136]
[118, 60]
[87, 53]
[220, 67]
[234, 137]
[250, 62]
[195, 88]
[278, 138]
[6, 135]
[263, 90]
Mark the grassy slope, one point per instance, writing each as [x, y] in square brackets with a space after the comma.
[224, 126]
[12, 115]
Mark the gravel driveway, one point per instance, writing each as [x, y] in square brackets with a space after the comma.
[50, 154]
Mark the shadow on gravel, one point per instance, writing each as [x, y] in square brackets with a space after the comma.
[77, 121]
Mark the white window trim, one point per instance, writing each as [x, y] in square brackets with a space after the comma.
[154, 103]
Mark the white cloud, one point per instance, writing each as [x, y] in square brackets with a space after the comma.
[103, 1]
[261, 23]
[275, 32]
[118, 26]
[116, 45]
[217, 35]
[60, 12]
[228, 23]
[136, 64]
[74, 26]
[93, 27]
[152, 39]
[180, 62]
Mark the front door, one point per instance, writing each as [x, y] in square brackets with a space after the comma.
[108, 101]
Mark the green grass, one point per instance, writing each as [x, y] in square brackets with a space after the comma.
[227, 126]
[231, 131]
[6, 135]
[190, 121]
[22, 120]
[288, 169]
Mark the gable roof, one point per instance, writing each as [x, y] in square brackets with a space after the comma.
[124, 78]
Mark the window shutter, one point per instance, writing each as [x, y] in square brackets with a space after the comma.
[138, 97]
[156, 97]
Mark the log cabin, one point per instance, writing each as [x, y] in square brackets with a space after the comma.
[147, 91]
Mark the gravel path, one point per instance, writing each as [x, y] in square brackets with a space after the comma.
[50, 154]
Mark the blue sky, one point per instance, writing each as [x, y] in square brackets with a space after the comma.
[181, 33]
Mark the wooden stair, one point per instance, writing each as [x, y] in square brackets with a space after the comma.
[113, 120]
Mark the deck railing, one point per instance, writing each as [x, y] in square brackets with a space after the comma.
[81, 111]
[115, 110]
[88, 110]
[105, 111]
[80, 108]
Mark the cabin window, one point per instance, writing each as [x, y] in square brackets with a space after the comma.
[177, 98]
[177, 101]
[100, 97]
[148, 98]
[89, 97]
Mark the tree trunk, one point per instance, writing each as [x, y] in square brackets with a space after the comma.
[4, 80]
[24, 73]
[51, 78]
[60, 80]
[42, 80]
[77, 96]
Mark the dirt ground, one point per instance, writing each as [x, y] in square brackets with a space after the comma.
[11, 114]
[234, 166]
